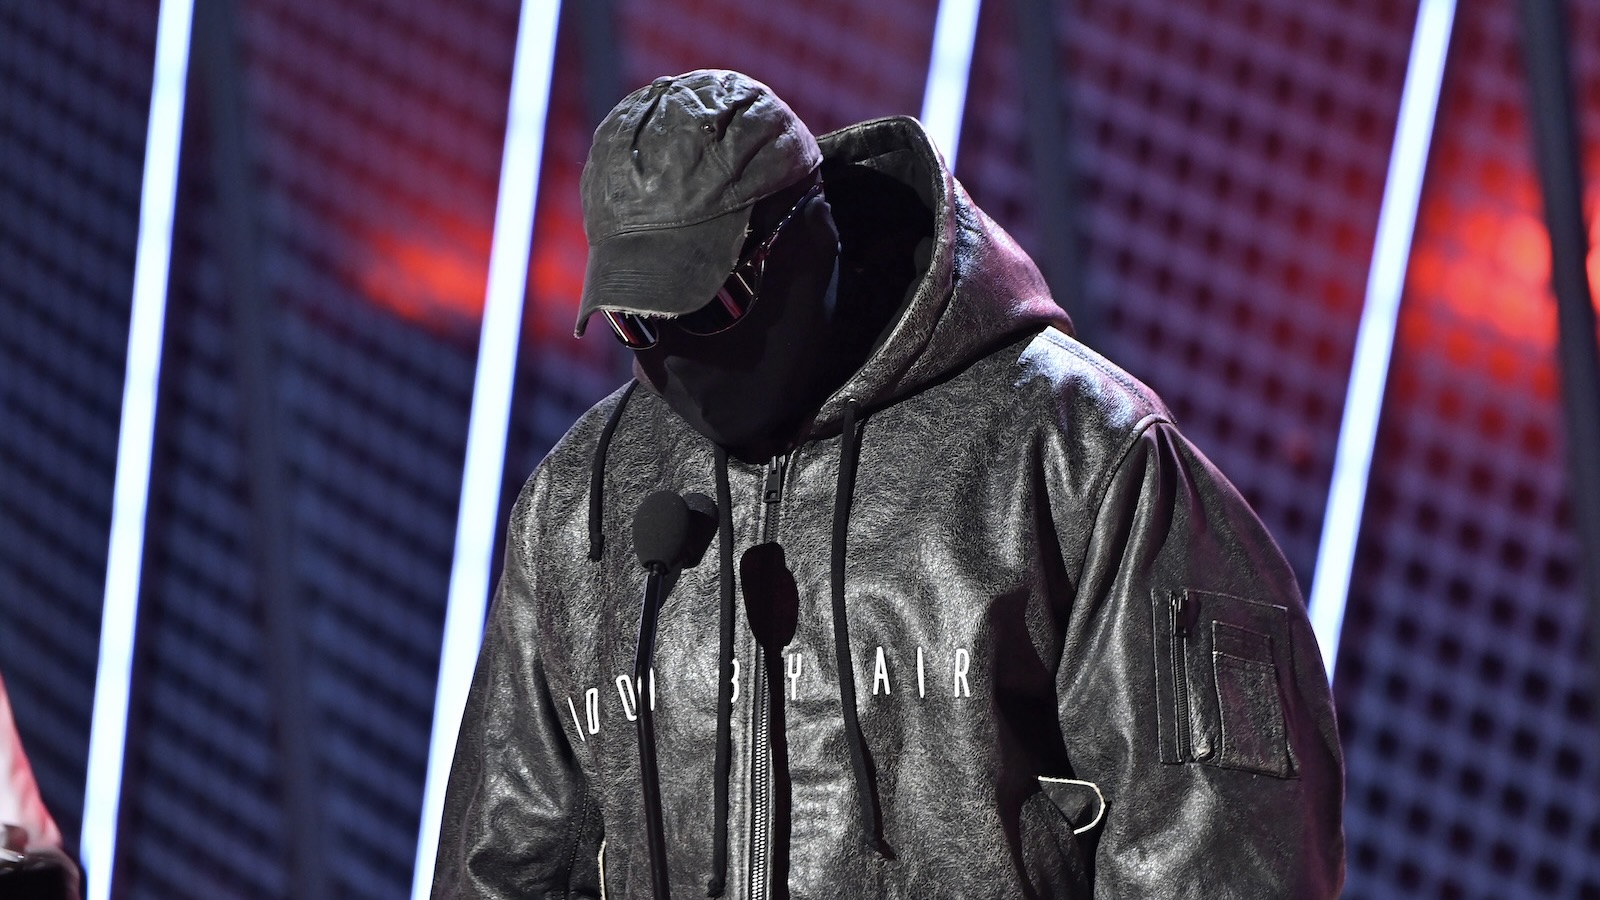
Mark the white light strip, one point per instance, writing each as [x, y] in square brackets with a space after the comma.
[131, 493]
[1369, 370]
[531, 74]
[944, 99]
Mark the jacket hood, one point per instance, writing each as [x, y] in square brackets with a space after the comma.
[979, 291]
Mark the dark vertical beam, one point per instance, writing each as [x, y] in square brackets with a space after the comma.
[1556, 146]
[602, 57]
[253, 332]
[603, 67]
[1055, 168]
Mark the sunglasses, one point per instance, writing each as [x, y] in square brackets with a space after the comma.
[733, 301]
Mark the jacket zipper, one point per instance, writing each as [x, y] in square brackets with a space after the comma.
[761, 790]
[761, 744]
[1181, 609]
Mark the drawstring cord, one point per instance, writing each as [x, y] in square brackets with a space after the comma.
[859, 763]
[860, 766]
[597, 472]
[719, 841]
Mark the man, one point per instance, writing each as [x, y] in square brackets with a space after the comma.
[977, 621]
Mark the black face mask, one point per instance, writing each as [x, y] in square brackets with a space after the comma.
[752, 387]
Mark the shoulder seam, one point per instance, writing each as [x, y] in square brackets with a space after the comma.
[1123, 378]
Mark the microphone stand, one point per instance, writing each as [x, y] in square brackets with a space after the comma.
[644, 683]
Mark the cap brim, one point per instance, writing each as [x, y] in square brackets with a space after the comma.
[661, 271]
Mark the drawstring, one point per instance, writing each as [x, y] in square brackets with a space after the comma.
[859, 764]
[597, 472]
[841, 639]
[719, 841]
[841, 631]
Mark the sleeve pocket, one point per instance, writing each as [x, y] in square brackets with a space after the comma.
[1220, 660]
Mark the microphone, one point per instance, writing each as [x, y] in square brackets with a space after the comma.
[661, 530]
[668, 531]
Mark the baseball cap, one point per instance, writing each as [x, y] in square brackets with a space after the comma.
[668, 188]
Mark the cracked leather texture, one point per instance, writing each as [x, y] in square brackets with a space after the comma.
[1023, 515]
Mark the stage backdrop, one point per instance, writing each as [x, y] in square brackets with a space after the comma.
[1206, 210]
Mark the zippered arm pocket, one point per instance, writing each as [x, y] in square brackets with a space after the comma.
[1219, 662]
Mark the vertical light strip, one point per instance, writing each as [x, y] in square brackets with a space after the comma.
[131, 493]
[1369, 370]
[531, 74]
[944, 99]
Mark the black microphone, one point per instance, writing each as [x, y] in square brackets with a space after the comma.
[661, 530]
[664, 531]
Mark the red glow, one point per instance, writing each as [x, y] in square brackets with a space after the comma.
[555, 275]
[434, 275]
[1490, 265]
[1594, 244]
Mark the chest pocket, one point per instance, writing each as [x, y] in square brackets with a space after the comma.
[1220, 664]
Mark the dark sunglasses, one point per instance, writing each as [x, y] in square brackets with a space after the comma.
[733, 301]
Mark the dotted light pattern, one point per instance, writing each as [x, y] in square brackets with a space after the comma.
[1229, 161]
[1466, 675]
[374, 131]
[835, 62]
[74, 100]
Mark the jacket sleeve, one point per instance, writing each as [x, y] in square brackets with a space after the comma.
[1191, 691]
[519, 820]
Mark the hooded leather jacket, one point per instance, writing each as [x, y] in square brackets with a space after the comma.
[993, 628]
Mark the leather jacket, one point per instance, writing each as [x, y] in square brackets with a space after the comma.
[1074, 662]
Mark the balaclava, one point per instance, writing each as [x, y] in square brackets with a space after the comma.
[751, 388]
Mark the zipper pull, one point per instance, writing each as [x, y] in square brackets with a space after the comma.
[774, 488]
[1183, 613]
